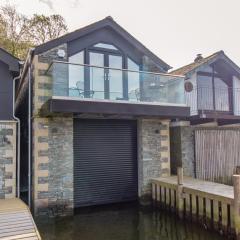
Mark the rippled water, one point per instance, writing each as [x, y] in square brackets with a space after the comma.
[122, 222]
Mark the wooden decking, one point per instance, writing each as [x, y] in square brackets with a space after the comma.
[212, 204]
[211, 188]
[16, 221]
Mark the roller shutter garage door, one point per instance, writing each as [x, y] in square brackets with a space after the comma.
[105, 161]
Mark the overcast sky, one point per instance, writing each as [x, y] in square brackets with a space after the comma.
[175, 30]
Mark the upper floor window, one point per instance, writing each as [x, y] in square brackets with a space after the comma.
[76, 75]
[106, 46]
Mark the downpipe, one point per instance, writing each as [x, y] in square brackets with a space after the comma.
[19, 136]
[29, 136]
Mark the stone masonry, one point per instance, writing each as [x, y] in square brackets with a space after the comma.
[7, 159]
[182, 149]
[153, 153]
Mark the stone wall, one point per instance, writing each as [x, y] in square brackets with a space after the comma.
[182, 149]
[153, 153]
[52, 146]
[7, 159]
[53, 166]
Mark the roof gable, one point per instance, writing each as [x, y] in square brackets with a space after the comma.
[193, 67]
[106, 22]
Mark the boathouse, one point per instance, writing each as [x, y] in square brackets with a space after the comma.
[207, 145]
[100, 105]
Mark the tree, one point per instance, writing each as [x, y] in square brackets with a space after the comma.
[45, 28]
[14, 29]
[18, 33]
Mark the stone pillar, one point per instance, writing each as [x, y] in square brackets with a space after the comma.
[182, 148]
[53, 166]
[153, 153]
[7, 159]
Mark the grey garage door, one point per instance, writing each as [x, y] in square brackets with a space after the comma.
[105, 161]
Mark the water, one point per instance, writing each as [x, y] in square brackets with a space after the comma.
[122, 222]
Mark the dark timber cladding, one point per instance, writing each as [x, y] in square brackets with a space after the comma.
[105, 161]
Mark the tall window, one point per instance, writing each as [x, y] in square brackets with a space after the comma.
[212, 96]
[76, 75]
[133, 81]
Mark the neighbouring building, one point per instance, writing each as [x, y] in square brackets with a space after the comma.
[207, 145]
[9, 68]
[100, 107]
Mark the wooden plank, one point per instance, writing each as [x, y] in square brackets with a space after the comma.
[224, 215]
[16, 221]
[17, 228]
[194, 205]
[167, 197]
[153, 191]
[208, 209]
[200, 208]
[173, 200]
[8, 234]
[232, 217]
[158, 193]
[163, 195]
[19, 236]
[20, 224]
[215, 212]
[188, 205]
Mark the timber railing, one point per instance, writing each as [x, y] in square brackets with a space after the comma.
[214, 205]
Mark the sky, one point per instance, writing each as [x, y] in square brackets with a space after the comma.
[175, 30]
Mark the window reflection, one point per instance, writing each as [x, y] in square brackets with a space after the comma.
[97, 75]
[133, 81]
[115, 78]
[76, 75]
[105, 45]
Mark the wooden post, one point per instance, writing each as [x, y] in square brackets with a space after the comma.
[237, 170]
[180, 175]
[180, 201]
[236, 204]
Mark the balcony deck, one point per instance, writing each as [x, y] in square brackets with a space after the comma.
[80, 88]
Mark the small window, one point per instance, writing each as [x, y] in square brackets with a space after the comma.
[105, 45]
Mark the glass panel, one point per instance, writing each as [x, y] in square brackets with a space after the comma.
[76, 75]
[96, 75]
[133, 81]
[105, 45]
[155, 87]
[205, 93]
[115, 78]
[221, 95]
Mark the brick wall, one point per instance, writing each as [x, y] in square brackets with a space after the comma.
[7, 159]
[153, 152]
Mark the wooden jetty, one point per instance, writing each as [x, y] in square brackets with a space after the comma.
[212, 204]
[16, 221]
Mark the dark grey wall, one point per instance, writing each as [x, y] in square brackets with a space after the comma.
[6, 91]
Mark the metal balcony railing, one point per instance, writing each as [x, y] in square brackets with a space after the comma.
[207, 99]
[103, 83]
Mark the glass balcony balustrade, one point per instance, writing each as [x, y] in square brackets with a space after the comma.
[112, 84]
